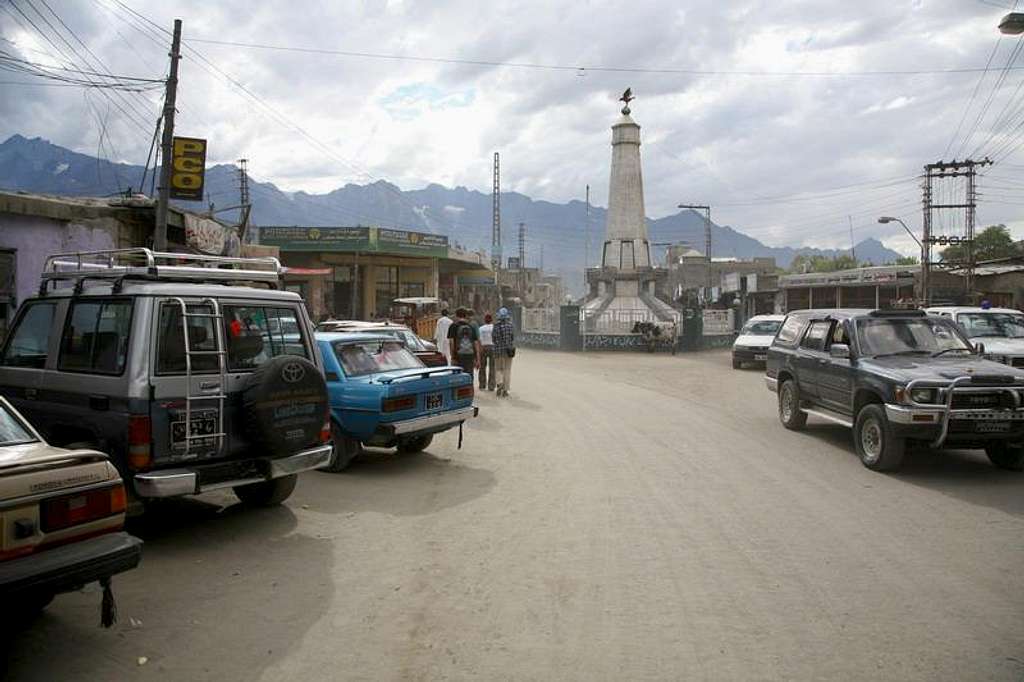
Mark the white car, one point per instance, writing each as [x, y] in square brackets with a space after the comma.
[752, 343]
[999, 330]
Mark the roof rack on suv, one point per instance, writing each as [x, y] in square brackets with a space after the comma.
[898, 312]
[142, 263]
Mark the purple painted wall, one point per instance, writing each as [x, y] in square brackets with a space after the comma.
[36, 237]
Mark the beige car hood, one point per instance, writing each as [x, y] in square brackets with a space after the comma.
[31, 454]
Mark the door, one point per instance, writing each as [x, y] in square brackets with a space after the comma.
[811, 357]
[835, 378]
[570, 328]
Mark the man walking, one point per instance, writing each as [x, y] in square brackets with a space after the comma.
[464, 342]
[504, 350]
[441, 335]
[487, 378]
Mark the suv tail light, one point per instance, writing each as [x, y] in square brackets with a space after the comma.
[398, 404]
[325, 432]
[140, 450]
[464, 392]
[71, 510]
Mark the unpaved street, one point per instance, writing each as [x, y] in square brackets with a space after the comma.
[622, 517]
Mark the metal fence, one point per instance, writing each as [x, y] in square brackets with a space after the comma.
[620, 321]
[542, 320]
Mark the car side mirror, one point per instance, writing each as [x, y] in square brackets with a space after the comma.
[839, 351]
[979, 348]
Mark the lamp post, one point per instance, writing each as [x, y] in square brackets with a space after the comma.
[1012, 24]
[707, 241]
[925, 265]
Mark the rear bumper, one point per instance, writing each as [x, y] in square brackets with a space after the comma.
[192, 481]
[430, 424]
[69, 567]
[749, 354]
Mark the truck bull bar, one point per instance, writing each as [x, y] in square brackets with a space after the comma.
[961, 386]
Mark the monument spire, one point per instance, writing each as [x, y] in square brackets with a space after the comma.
[626, 246]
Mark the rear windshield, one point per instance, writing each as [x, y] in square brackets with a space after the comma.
[992, 324]
[12, 431]
[373, 356]
[762, 327]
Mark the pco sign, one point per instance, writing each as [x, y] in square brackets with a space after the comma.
[188, 168]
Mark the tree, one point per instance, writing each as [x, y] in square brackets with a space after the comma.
[818, 263]
[906, 260]
[991, 243]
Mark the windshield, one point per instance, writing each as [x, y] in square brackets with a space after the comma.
[374, 356]
[992, 324]
[879, 336]
[762, 327]
[12, 431]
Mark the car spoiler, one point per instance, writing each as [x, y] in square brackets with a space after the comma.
[390, 378]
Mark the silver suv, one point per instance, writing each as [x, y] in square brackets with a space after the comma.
[190, 375]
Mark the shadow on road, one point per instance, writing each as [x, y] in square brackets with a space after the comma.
[399, 484]
[964, 474]
[206, 568]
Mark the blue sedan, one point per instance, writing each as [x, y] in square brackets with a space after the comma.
[382, 395]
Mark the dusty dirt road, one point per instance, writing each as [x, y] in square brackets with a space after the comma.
[622, 517]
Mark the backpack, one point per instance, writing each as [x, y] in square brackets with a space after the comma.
[464, 340]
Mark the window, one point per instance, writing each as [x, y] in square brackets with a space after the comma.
[171, 346]
[12, 431]
[371, 357]
[761, 327]
[815, 337]
[992, 324]
[412, 289]
[387, 287]
[256, 333]
[790, 331]
[96, 337]
[29, 343]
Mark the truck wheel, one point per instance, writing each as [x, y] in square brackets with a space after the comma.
[790, 414]
[878, 448]
[1006, 456]
[415, 444]
[736, 364]
[267, 493]
[32, 604]
[346, 449]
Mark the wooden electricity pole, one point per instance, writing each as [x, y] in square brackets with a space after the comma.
[160, 233]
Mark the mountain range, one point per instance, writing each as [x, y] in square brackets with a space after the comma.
[555, 233]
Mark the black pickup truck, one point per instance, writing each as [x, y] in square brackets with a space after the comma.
[895, 376]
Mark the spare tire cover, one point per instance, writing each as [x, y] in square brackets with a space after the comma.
[285, 405]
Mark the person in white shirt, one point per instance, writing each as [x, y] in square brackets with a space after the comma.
[487, 354]
[441, 335]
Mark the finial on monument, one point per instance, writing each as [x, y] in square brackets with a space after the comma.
[627, 97]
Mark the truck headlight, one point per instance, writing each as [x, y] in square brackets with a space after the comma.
[927, 396]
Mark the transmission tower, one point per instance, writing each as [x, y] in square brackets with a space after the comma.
[496, 220]
[949, 172]
[522, 261]
[245, 205]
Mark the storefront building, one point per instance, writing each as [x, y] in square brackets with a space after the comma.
[357, 272]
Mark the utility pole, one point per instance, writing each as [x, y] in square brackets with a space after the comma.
[160, 234]
[243, 198]
[542, 260]
[496, 221]
[853, 247]
[707, 240]
[586, 232]
[522, 261]
[943, 170]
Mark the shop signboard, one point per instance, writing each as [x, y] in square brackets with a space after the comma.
[362, 239]
[414, 243]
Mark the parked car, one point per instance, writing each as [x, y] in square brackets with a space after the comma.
[751, 345]
[999, 330]
[190, 385]
[426, 351]
[382, 395]
[895, 376]
[61, 518]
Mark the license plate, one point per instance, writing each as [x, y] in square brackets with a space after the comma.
[991, 427]
[760, 357]
[201, 426]
[435, 401]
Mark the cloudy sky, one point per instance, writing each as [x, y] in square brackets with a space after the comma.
[792, 119]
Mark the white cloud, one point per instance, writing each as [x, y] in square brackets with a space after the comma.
[733, 141]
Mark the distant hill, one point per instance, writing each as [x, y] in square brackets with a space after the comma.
[36, 165]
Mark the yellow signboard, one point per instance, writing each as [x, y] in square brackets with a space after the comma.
[188, 168]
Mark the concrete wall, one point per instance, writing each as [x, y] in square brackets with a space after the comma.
[34, 238]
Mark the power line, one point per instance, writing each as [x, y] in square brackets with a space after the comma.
[582, 68]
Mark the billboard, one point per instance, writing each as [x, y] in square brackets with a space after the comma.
[362, 239]
[188, 168]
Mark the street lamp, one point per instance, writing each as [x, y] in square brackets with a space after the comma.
[1012, 24]
[924, 254]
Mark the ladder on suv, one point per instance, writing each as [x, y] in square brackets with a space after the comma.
[220, 353]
